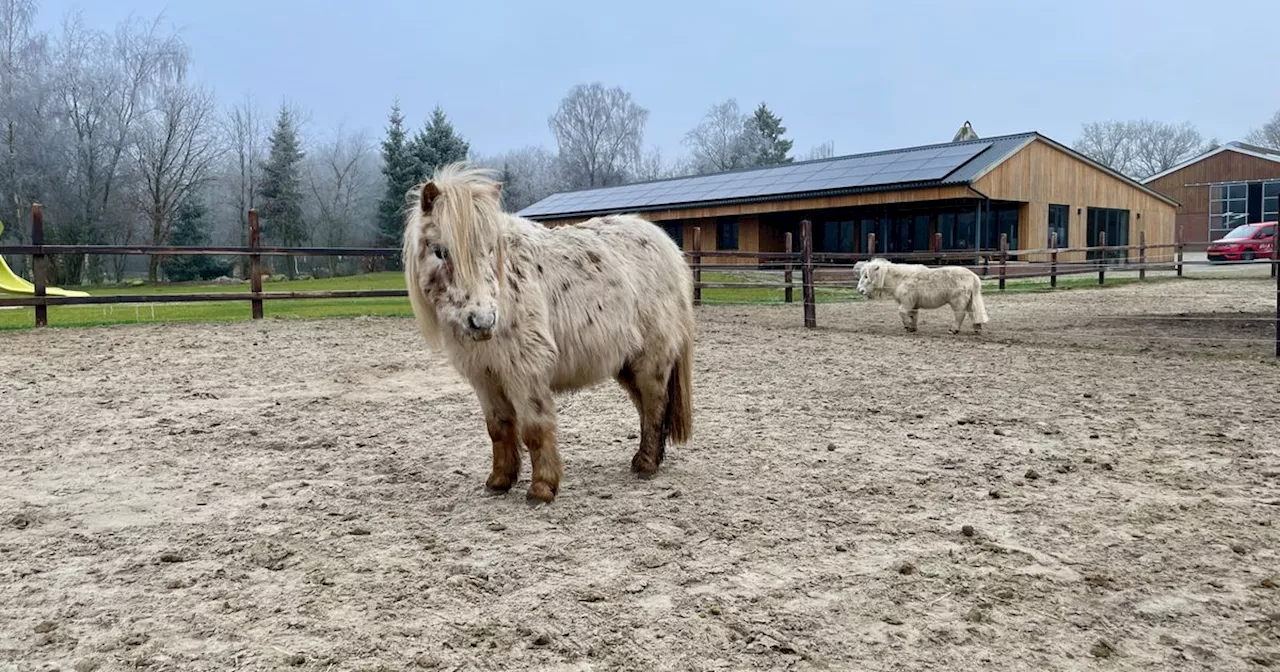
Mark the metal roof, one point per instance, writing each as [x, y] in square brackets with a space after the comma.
[942, 164]
[1233, 146]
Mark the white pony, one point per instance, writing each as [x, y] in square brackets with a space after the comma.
[524, 311]
[915, 286]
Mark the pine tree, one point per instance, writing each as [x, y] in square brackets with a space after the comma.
[282, 187]
[436, 145]
[399, 166]
[191, 229]
[773, 147]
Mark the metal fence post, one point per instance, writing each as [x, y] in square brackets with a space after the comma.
[1102, 259]
[1053, 260]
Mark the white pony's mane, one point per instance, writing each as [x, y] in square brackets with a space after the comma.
[467, 211]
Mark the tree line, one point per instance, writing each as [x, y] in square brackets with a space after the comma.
[111, 133]
[1141, 148]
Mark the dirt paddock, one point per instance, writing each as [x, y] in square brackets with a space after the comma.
[1093, 484]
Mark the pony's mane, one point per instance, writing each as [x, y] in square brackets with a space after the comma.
[467, 211]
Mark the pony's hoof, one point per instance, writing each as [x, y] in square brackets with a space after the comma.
[499, 483]
[955, 331]
[644, 466]
[540, 493]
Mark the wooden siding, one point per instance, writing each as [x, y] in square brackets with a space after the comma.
[1188, 186]
[1040, 174]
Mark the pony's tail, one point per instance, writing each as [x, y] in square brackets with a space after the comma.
[977, 306]
[679, 414]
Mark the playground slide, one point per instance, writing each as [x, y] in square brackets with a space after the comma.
[12, 282]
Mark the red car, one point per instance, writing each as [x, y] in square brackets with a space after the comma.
[1245, 243]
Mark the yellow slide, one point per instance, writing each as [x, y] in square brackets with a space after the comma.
[12, 282]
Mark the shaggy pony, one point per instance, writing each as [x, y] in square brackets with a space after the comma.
[915, 286]
[524, 312]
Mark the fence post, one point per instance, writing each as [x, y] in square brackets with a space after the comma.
[871, 245]
[1004, 258]
[1053, 260]
[1142, 255]
[39, 263]
[937, 248]
[697, 265]
[255, 263]
[1275, 273]
[1179, 250]
[806, 273]
[1102, 263]
[786, 274]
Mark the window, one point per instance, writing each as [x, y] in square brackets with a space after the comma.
[676, 231]
[921, 239]
[837, 237]
[1270, 201]
[1059, 218]
[1266, 232]
[1228, 208]
[998, 220]
[1115, 223]
[727, 234]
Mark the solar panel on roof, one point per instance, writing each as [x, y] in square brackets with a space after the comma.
[885, 168]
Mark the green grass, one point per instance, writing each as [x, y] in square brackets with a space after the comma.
[235, 311]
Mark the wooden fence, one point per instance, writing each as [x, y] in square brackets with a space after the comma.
[1003, 264]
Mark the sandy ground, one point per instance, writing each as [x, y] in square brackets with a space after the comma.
[1074, 490]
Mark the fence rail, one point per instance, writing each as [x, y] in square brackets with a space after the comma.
[1002, 263]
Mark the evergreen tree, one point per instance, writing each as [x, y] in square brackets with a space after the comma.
[436, 145]
[282, 187]
[191, 229]
[773, 148]
[399, 166]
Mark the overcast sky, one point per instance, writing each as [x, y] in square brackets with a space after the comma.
[865, 75]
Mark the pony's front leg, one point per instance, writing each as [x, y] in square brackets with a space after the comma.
[908, 315]
[500, 420]
[538, 431]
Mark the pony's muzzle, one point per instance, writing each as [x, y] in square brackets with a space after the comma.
[480, 323]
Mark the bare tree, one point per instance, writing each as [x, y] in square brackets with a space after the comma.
[340, 178]
[106, 84]
[1110, 143]
[21, 54]
[245, 131]
[824, 151]
[1140, 148]
[726, 139]
[599, 132]
[651, 166]
[1158, 146]
[175, 150]
[528, 174]
[1268, 135]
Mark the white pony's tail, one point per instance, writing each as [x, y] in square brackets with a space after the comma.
[977, 307]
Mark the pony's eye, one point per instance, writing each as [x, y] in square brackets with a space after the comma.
[440, 252]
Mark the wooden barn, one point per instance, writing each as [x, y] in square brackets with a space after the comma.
[971, 190]
[1221, 189]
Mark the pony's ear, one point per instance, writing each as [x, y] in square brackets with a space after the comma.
[429, 193]
[877, 276]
